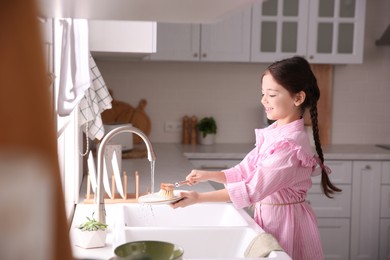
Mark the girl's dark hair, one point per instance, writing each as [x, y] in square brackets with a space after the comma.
[295, 75]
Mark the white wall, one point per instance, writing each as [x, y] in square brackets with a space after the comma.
[231, 91]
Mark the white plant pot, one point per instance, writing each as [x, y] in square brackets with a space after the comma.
[89, 239]
[208, 140]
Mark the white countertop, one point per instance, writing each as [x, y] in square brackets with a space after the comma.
[331, 152]
[355, 152]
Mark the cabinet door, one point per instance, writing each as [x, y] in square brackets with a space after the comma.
[365, 210]
[228, 40]
[279, 29]
[336, 31]
[335, 237]
[179, 42]
[341, 172]
[384, 247]
[339, 206]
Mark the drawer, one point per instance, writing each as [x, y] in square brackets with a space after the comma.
[385, 172]
[385, 201]
[335, 237]
[339, 206]
[384, 244]
[214, 164]
[341, 172]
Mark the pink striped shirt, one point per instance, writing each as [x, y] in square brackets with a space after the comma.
[278, 171]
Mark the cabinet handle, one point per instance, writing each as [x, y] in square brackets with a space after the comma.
[368, 167]
[195, 55]
[204, 55]
[311, 57]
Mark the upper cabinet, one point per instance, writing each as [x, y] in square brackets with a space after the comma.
[336, 31]
[122, 38]
[324, 31]
[279, 29]
[228, 40]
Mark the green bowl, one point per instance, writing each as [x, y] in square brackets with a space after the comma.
[148, 250]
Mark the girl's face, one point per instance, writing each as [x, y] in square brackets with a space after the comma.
[278, 103]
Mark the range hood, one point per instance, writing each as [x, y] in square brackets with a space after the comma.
[385, 38]
[172, 11]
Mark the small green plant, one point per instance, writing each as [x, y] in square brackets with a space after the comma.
[207, 125]
[92, 225]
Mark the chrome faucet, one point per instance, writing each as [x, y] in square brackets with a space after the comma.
[99, 199]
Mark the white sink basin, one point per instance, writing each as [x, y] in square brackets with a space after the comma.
[205, 231]
[199, 215]
[212, 230]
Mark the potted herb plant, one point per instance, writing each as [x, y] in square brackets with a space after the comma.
[90, 234]
[207, 128]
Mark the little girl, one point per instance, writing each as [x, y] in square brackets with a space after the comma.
[276, 175]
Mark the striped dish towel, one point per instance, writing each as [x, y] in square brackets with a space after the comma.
[95, 101]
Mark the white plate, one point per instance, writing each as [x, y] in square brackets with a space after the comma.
[155, 198]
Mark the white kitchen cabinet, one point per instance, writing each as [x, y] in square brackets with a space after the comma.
[335, 237]
[336, 31]
[228, 40]
[338, 207]
[384, 244]
[365, 210]
[330, 32]
[279, 29]
[334, 215]
[384, 251]
[121, 37]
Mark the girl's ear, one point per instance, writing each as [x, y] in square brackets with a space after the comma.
[299, 98]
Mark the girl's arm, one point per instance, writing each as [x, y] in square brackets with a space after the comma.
[192, 197]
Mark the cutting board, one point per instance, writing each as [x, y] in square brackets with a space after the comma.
[141, 121]
[324, 75]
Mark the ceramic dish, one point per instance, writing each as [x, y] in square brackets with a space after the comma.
[155, 198]
[152, 250]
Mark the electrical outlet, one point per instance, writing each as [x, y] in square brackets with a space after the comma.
[172, 126]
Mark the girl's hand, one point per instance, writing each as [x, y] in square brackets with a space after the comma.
[188, 198]
[197, 176]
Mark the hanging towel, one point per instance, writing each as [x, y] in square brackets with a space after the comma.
[95, 101]
[262, 245]
[74, 70]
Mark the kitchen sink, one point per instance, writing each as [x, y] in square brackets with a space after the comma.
[198, 215]
[206, 230]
